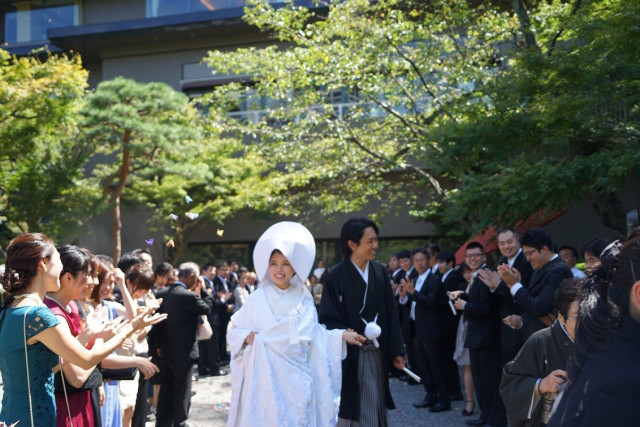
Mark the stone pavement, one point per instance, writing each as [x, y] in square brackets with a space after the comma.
[210, 406]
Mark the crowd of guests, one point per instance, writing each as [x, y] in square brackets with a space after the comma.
[123, 337]
[58, 320]
[513, 328]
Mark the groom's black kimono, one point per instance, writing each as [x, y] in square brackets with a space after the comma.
[342, 300]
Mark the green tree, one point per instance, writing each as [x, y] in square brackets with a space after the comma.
[42, 182]
[132, 125]
[154, 148]
[453, 110]
[562, 123]
[214, 174]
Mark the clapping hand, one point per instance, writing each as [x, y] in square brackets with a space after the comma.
[511, 276]
[147, 318]
[112, 327]
[489, 278]
[408, 285]
[127, 345]
[513, 321]
[94, 323]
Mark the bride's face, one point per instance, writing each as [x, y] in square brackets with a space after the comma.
[280, 270]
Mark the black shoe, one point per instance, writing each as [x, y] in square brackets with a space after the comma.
[469, 413]
[476, 422]
[426, 403]
[456, 397]
[219, 373]
[193, 393]
[440, 407]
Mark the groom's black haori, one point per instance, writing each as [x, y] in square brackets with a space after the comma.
[341, 304]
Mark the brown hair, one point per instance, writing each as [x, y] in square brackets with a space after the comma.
[104, 270]
[23, 255]
[140, 276]
[96, 264]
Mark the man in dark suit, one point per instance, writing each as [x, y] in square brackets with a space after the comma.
[176, 343]
[224, 289]
[426, 296]
[548, 272]
[480, 308]
[407, 325]
[451, 281]
[208, 362]
[510, 313]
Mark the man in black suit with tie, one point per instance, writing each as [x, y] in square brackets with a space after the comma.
[426, 297]
[451, 281]
[176, 343]
[510, 313]
[548, 272]
[480, 307]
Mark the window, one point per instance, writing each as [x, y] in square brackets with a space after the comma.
[29, 21]
[157, 8]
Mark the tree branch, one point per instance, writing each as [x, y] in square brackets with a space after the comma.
[555, 38]
[422, 79]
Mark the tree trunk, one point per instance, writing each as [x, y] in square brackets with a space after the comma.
[184, 236]
[609, 209]
[116, 227]
[116, 223]
[525, 24]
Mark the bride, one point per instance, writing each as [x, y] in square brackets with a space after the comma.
[285, 366]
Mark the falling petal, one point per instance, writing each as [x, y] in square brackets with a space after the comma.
[173, 217]
[220, 232]
[192, 215]
[171, 244]
[149, 242]
[188, 199]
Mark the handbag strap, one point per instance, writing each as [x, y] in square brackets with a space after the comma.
[26, 359]
[64, 389]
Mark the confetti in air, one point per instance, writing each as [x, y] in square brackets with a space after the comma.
[171, 244]
[149, 242]
[173, 217]
[220, 232]
[188, 199]
[192, 215]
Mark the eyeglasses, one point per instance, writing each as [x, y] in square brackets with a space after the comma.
[476, 255]
[529, 253]
[574, 317]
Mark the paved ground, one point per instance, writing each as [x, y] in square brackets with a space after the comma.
[210, 406]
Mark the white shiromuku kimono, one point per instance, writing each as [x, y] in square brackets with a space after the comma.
[291, 375]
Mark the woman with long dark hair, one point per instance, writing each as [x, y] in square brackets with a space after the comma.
[604, 371]
[33, 338]
[73, 405]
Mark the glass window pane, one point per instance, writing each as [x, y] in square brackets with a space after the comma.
[29, 21]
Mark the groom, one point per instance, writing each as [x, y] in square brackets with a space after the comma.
[358, 290]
